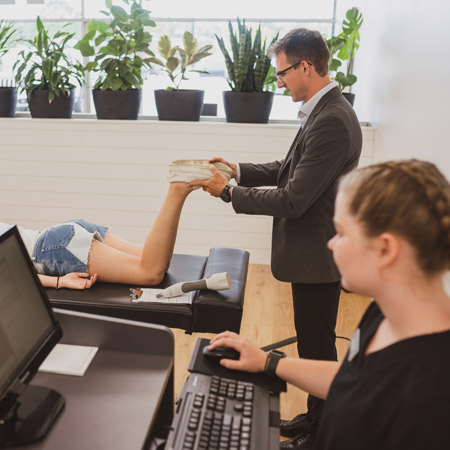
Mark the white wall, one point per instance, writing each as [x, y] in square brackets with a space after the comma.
[114, 173]
[403, 69]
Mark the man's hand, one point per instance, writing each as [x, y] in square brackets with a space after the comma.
[77, 280]
[213, 185]
[230, 165]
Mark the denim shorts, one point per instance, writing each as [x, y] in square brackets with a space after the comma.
[65, 248]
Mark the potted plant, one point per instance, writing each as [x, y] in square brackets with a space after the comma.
[47, 74]
[174, 103]
[342, 51]
[121, 50]
[8, 94]
[248, 67]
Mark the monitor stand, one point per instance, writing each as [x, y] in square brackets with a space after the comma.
[35, 411]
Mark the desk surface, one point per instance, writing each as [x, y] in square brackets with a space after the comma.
[112, 406]
[126, 393]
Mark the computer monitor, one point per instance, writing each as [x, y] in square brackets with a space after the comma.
[28, 332]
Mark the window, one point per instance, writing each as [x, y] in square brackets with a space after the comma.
[204, 18]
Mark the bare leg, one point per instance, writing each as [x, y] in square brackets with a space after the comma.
[113, 265]
[120, 244]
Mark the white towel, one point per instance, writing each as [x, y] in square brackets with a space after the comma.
[187, 170]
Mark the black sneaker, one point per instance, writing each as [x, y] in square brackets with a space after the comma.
[303, 441]
[293, 427]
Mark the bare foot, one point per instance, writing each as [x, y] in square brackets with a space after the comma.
[181, 189]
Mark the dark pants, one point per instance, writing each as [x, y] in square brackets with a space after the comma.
[315, 313]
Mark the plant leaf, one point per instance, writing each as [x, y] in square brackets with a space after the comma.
[189, 42]
[119, 14]
[164, 46]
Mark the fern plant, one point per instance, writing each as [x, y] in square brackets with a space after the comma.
[177, 66]
[46, 66]
[248, 63]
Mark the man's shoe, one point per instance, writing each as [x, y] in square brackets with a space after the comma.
[303, 441]
[295, 426]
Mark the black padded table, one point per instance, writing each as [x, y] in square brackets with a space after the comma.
[211, 311]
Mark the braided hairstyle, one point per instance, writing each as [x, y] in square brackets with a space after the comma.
[410, 198]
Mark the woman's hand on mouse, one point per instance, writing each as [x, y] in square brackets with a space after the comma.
[252, 358]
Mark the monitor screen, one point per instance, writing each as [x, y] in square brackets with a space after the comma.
[28, 329]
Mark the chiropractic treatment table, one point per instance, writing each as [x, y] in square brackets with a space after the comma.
[210, 311]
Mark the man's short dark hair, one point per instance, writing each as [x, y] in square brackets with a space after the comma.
[302, 44]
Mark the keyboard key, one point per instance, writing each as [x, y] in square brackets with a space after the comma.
[236, 423]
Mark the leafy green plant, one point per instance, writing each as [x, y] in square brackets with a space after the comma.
[46, 66]
[121, 47]
[177, 66]
[248, 63]
[343, 48]
[7, 40]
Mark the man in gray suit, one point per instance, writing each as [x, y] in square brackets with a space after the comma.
[327, 146]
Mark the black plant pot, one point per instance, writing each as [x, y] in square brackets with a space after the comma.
[247, 107]
[8, 100]
[350, 97]
[184, 104]
[60, 108]
[122, 105]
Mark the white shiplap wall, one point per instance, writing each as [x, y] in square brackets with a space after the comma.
[114, 173]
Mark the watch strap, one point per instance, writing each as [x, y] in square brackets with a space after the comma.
[225, 194]
[273, 357]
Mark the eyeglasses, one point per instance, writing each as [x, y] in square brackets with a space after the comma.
[282, 73]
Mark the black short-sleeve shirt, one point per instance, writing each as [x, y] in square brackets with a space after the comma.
[394, 398]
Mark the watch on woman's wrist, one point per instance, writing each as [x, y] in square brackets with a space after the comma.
[273, 357]
[225, 194]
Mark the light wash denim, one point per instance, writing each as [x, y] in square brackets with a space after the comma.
[51, 253]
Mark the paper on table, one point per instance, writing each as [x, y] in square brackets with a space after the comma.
[149, 296]
[69, 359]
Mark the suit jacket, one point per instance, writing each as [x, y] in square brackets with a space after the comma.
[302, 205]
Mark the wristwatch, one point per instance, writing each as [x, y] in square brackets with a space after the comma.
[272, 361]
[225, 194]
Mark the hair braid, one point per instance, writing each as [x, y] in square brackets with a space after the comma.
[435, 187]
[410, 198]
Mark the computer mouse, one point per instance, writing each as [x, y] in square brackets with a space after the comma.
[220, 352]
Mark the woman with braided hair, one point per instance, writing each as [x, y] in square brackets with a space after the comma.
[392, 391]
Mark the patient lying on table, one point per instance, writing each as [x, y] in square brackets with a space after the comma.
[76, 254]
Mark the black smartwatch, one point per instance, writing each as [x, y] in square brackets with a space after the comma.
[272, 361]
[225, 194]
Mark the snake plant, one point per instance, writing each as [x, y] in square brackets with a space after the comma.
[248, 63]
[46, 66]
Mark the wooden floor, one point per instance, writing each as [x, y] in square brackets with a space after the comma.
[268, 317]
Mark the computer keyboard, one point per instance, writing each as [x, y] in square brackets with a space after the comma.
[224, 414]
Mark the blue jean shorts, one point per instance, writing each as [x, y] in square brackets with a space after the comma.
[65, 248]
